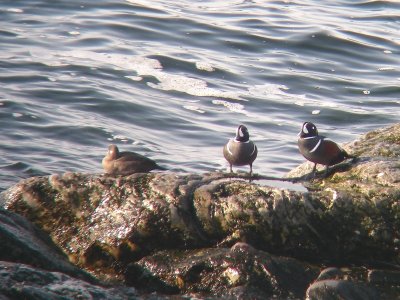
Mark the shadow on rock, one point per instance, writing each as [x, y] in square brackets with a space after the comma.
[237, 272]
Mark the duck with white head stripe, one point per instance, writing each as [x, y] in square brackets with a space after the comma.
[319, 149]
[240, 151]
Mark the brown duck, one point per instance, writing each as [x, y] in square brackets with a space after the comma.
[126, 163]
[319, 149]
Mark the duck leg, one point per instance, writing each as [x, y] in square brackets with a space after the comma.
[251, 172]
[312, 174]
[314, 170]
[326, 171]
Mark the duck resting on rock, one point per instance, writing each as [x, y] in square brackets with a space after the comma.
[126, 163]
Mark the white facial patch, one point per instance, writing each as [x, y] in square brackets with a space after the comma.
[305, 130]
[240, 132]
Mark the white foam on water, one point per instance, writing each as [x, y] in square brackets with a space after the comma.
[188, 85]
[204, 66]
[276, 92]
[120, 137]
[234, 107]
[144, 66]
[386, 69]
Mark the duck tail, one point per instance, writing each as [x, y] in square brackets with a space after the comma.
[349, 156]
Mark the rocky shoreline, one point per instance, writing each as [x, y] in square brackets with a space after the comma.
[162, 235]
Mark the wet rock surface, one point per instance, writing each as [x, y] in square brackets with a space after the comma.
[208, 235]
[22, 242]
[240, 271]
[340, 289]
[20, 281]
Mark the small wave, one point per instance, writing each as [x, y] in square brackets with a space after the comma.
[15, 10]
[194, 108]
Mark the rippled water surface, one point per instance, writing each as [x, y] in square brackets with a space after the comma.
[173, 79]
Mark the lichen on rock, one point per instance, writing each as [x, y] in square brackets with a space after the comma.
[174, 232]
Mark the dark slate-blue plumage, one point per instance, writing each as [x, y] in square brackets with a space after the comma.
[240, 151]
[319, 149]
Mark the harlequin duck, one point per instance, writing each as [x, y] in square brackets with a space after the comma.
[125, 163]
[319, 149]
[240, 151]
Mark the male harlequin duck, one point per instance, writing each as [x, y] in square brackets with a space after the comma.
[240, 151]
[319, 149]
[125, 163]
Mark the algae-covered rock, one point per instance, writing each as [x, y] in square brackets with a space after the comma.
[272, 219]
[115, 227]
[103, 222]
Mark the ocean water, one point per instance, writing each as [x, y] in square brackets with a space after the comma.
[173, 79]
